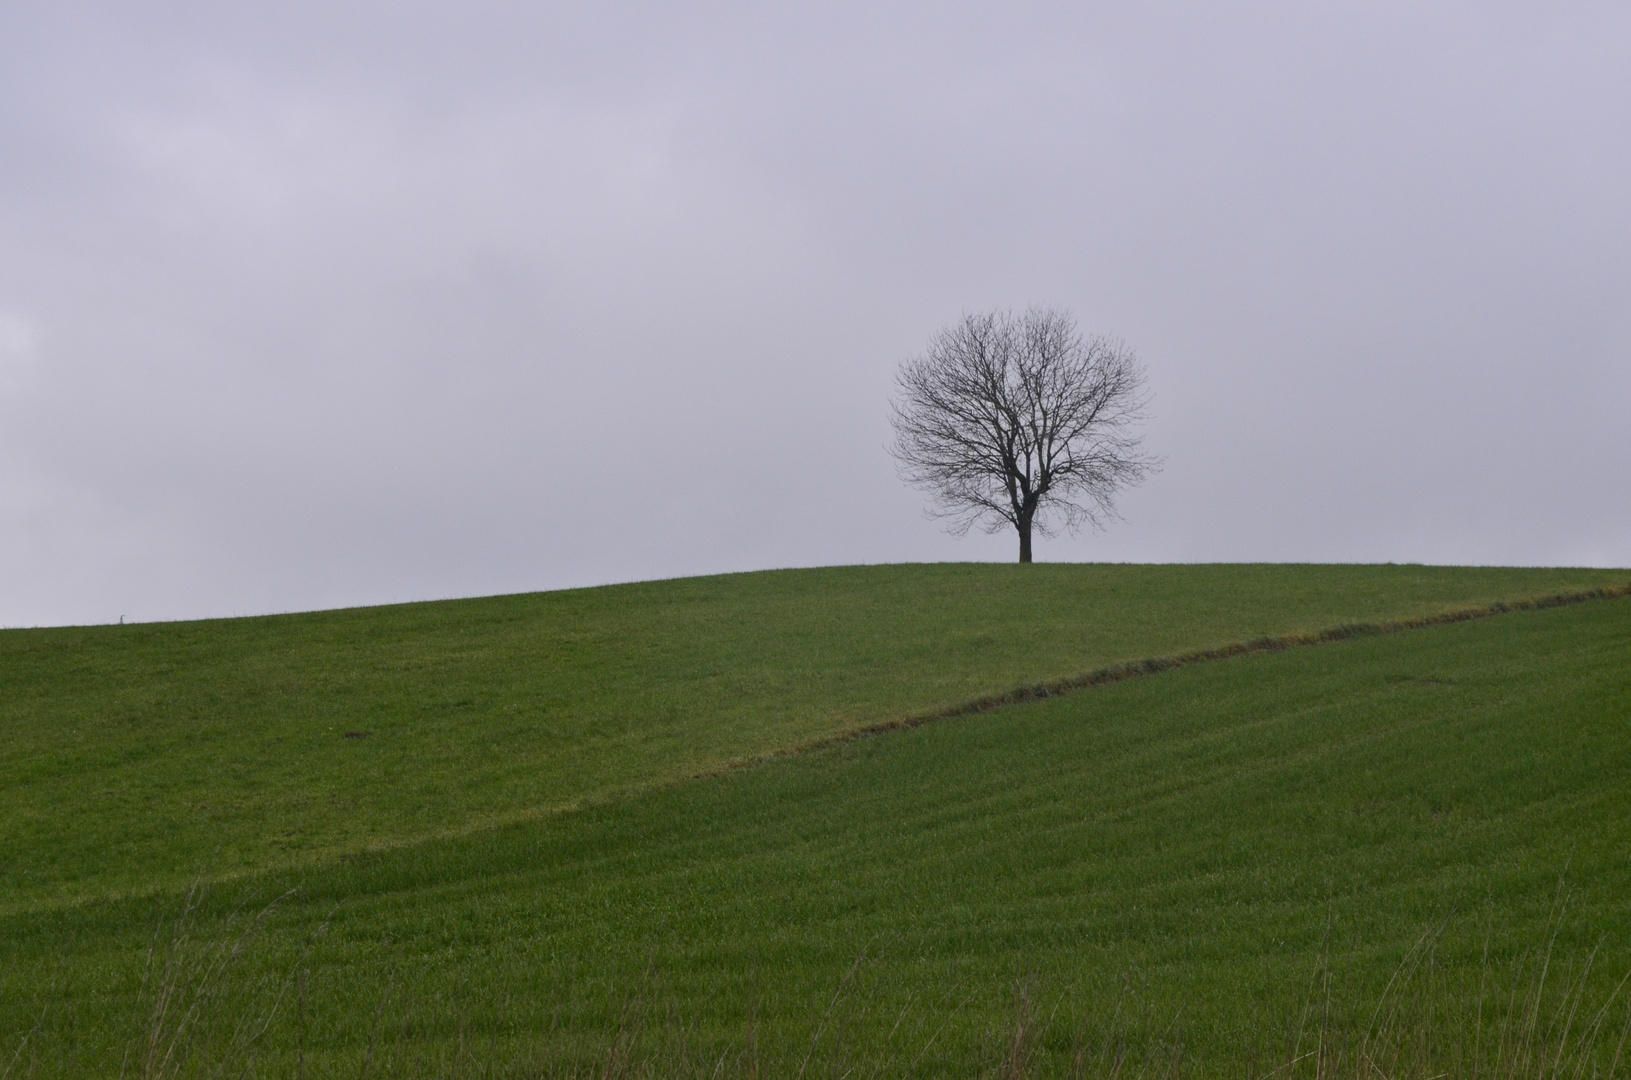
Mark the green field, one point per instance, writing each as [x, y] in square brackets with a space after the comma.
[517, 870]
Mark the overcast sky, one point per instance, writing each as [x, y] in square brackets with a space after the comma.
[316, 304]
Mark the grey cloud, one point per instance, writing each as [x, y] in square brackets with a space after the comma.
[317, 304]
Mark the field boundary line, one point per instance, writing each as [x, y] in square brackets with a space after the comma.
[1137, 669]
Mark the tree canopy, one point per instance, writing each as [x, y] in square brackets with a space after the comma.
[1021, 421]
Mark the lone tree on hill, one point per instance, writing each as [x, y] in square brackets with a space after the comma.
[1021, 421]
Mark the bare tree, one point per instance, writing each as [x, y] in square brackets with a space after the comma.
[1021, 421]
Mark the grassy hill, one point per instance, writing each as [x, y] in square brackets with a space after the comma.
[138, 756]
[1162, 863]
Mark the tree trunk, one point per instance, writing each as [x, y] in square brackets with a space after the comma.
[1024, 527]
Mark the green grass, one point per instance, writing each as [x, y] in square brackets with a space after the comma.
[140, 757]
[1205, 849]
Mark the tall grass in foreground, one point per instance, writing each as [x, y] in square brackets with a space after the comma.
[205, 1011]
